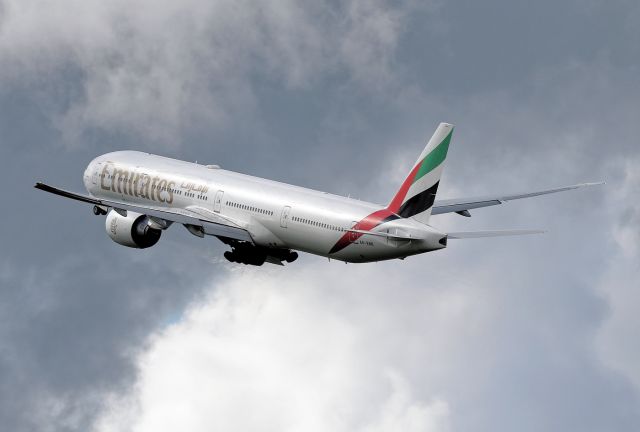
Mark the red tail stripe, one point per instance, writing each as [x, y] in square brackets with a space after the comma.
[397, 200]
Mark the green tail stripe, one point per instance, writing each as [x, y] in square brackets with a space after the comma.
[433, 159]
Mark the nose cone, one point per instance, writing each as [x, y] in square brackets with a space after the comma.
[87, 173]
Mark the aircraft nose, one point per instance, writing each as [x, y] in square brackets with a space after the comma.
[87, 173]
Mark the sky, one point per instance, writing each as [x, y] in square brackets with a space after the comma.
[532, 333]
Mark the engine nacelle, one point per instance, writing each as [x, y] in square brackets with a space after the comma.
[132, 231]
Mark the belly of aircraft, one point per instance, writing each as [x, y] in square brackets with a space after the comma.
[364, 249]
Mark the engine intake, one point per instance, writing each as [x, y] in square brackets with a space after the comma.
[132, 230]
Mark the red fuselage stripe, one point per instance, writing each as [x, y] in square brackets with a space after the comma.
[366, 224]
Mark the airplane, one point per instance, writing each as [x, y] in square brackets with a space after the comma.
[262, 220]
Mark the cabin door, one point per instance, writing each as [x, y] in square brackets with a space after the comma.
[217, 201]
[284, 218]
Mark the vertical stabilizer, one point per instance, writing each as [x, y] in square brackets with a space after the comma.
[418, 192]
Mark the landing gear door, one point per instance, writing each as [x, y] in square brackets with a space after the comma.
[217, 201]
[284, 218]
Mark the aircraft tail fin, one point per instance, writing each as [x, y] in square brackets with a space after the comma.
[417, 194]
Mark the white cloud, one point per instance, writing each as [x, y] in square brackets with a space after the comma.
[400, 412]
[309, 351]
[156, 68]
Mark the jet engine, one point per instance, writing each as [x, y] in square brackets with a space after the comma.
[132, 230]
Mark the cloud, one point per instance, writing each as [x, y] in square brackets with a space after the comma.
[617, 337]
[626, 230]
[487, 335]
[156, 69]
[274, 353]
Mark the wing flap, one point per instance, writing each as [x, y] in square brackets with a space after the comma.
[462, 204]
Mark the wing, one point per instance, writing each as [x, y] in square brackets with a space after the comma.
[210, 222]
[463, 205]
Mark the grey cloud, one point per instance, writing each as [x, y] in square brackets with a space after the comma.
[615, 340]
[158, 69]
[72, 324]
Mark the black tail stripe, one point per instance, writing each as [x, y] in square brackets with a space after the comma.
[389, 218]
[419, 203]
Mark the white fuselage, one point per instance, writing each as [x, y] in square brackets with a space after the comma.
[276, 215]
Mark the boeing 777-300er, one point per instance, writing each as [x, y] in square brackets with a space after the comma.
[266, 221]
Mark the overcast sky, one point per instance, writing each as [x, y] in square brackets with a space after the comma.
[527, 334]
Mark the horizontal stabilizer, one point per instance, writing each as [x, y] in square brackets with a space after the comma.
[500, 233]
[460, 205]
